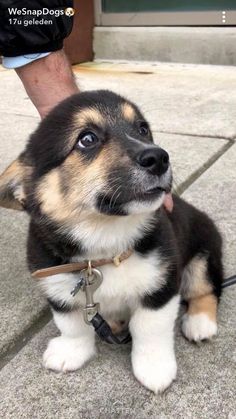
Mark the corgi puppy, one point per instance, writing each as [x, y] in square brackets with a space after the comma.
[95, 186]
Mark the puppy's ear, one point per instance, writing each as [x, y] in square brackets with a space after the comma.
[12, 185]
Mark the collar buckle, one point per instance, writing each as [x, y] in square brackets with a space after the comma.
[116, 260]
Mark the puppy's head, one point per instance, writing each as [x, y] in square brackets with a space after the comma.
[93, 154]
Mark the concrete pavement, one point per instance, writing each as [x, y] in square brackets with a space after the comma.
[192, 110]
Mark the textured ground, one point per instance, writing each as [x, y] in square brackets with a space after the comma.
[192, 110]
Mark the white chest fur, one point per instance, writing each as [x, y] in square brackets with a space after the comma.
[121, 288]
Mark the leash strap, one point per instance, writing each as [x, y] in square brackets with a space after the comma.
[229, 281]
[104, 331]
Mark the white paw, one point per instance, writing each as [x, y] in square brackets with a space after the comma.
[154, 372]
[198, 327]
[67, 354]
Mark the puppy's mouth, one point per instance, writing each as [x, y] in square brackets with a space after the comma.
[154, 191]
[137, 191]
[111, 204]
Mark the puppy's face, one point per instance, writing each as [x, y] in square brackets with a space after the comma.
[94, 154]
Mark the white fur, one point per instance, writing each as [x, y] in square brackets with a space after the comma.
[147, 181]
[153, 357]
[75, 347]
[106, 236]
[137, 207]
[120, 293]
[59, 287]
[121, 287]
[198, 327]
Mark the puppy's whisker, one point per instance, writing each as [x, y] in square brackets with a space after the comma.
[106, 195]
[113, 196]
[117, 197]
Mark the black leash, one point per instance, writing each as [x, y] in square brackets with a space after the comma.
[229, 281]
[104, 331]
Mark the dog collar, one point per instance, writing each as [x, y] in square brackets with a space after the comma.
[78, 266]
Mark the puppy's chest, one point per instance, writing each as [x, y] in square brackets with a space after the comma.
[129, 281]
[121, 286]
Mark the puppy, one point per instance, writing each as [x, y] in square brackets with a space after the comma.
[93, 183]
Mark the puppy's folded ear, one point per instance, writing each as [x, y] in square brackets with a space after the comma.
[12, 193]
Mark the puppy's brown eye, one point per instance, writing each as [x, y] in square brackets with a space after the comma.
[143, 128]
[87, 140]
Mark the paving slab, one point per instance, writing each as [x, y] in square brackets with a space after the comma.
[106, 388]
[200, 99]
[185, 99]
[20, 302]
[14, 134]
[187, 154]
[14, 99]
[215, 193]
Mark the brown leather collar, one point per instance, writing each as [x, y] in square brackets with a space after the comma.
[78, 266]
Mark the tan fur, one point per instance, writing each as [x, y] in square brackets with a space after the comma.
[80, 122]
[11, 185]
[197, 290]
[81, 180]
[117, 326]
[50, 196]
[128, 112]
[194, 279]
[206, 304]
[87, 116]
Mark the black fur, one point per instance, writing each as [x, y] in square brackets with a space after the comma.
[188, 233]
[46, 247]
[60, 306]
[196, 234]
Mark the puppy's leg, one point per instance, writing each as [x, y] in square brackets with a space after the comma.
[199, 322]
[200, 292]
[153, 357]
[74, 347]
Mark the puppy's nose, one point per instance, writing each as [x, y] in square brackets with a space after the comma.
[154, 159]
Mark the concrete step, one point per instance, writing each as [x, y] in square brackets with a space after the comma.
[201, 45]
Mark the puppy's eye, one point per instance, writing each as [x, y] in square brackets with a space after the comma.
[143, 128]
[87, 140]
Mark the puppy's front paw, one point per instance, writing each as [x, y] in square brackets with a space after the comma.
[154, 372]
[67, 354]
[198, 327]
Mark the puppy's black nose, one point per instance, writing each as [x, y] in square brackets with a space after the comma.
[154, 159]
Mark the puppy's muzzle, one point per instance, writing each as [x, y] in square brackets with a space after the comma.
[154, 159]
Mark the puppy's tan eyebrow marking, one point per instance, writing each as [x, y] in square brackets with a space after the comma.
[89, 115]
[49, 194]
[128, 112]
